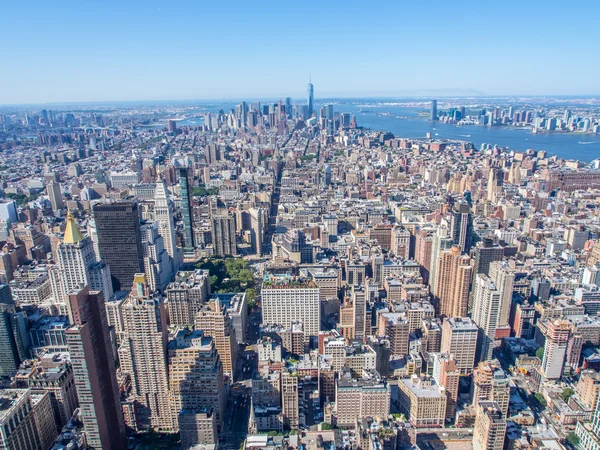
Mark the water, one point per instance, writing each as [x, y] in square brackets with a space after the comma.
[406, 122]
[581, 146]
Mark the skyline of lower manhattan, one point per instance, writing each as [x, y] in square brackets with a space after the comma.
[362, 241]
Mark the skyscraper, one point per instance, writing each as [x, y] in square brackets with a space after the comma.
[453, 279]
[119, 241]
[490, 427]
[164, 216]
[440, 241]
[77, 266]
[9, 354]
[90, 349]
[486, 310]
[196, 375]
[257, 228]
[459, 338]
[186, 213]
[143, 354]
[434, 110]
[311, 97]
[223, 235]
[461, 229]
[55, 196]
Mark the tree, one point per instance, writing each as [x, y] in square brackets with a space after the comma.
[566, 394]
[540, 353]
[540, 398]
[251, 297]
[326, 426]
[572, 439]
[214, 280]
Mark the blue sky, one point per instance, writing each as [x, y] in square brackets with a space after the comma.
[104, 50]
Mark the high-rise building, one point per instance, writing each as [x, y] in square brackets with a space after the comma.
[77, 265]
[55, 195]
[504, 279]
[27, 421]
[491, 383]
[459, 338]
[143, 354]
[196, 381]
[490, 427]
[557, 333]
[453, 279]
[286, 300]
[423, 401]
[93, 361]
[440, 241]
[186, 295]
[257, 229]
[9, 352]
[486, 310]
[311, 96]
[214, 320]
[289, 400]
[461, 228]
[434, 115]
[186, 213]
[163, 214]
[447, 375]
[368, 396]
[158, 266]
[119, 241]
[223, 235]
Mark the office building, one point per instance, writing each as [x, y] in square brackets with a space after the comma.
[285, 300]
[158, 265]
[557, 333]
[459, 338]
[486, 310]
[367, 396]
[223, 235]
[423, 401]
[77, 265]
[55, 195]
[461, 229]
[196, 382]
[163, 214]
[8, 212]
[453, 280]
[186, 212]
[433, 116]
[489, 431]
[440, 241]
[257, 229]
[26, 420]
[198, 429]
[9, 351]
[397, 329]
[119, 241]
[447, 375]
[504, 279]
[143, 355]
[94, 370]
[214, 320]
[311, 96]
[186, 295]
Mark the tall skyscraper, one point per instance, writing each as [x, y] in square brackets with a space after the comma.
[93, 361]
[55, 196]
[143, 354]
[196, 375]
[164, 216]
[186, 296]
[491, 383]
[486, 310]
[459, 338]
[289, 400]
[311, 96]
[434, 115]
[504, 279]
[9, 353]
[186, 213]
[223, 235]
[119, 241]
[158, 266]
[453, 279]
[77, 266]
[557, 333]
[462, 226]
[257, 228]
[440, 241]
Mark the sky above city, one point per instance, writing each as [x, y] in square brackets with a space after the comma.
[105, 50]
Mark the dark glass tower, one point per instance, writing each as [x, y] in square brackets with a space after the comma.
[120, 241]
[186, 212]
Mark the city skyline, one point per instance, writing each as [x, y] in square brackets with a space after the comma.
[135, 52]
